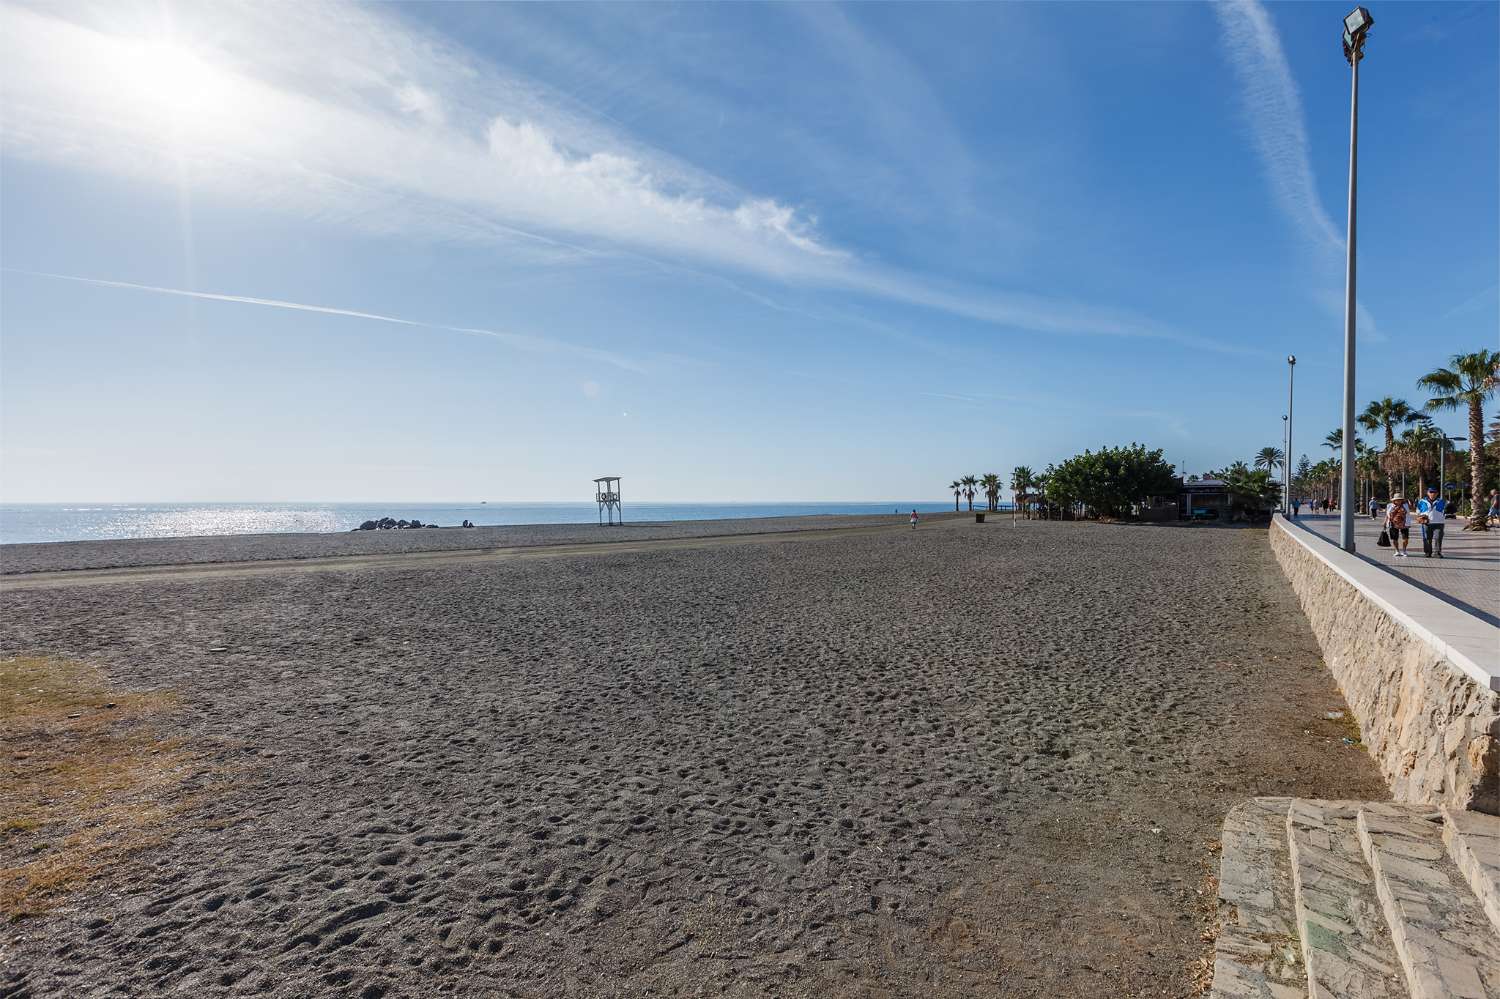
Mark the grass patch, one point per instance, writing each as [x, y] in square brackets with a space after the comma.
[87, 780]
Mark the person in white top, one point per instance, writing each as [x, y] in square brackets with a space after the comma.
[1396, 525]
[1432, 512]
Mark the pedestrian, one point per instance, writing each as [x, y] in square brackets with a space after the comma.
[1432, 511]
[1296, 505]
[1396, 525]
[1494, 511]
[914, 520]
[1374, 508]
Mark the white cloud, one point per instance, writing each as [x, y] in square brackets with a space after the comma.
[422, 103]
[350, 115]
[1273, 107]
[516, 341]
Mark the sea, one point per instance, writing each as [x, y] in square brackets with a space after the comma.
[31, 522]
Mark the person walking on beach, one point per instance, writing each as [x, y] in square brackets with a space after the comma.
[1432, 511]
[1374, 508]
[1494, 511]
[1296, 505]
[914, 520]
[1397, 527]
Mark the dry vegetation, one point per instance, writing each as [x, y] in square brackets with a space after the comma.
[88, 778]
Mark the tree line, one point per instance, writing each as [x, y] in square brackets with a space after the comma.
[1411, 445]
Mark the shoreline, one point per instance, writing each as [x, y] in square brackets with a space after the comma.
[56, 556]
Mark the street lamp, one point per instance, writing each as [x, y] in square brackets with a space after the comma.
[1356, 27]
[1286, 458]
[1286, 486]
[1442, 454]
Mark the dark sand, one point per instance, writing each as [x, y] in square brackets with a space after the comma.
[54, 555]
[966, 760]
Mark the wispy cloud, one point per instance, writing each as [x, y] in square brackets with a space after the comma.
[1475, 302]
[351, 115]
[1273, 105]
[348, 113]
[516, 341]
[1278, 130]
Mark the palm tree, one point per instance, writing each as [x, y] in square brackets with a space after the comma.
[1268, 458]
[1022, 478]
[958, 489]
[1335, 442]
[1471, 379]
[1366, 462]
[1385, 415]
[971, 486]
[991, 483]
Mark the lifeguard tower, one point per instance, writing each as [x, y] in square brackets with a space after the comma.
[607, 495]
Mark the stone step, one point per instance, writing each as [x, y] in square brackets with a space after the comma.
[1256, 955]
[1446, 944]
[1473, 842]
[1347, 949]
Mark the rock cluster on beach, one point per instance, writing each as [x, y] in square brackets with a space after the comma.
[391, 524]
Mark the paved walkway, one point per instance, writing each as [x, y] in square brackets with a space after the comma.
[1468, 575]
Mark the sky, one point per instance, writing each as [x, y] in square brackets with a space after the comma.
[729, 252]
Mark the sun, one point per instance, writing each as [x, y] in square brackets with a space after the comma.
[167, 75]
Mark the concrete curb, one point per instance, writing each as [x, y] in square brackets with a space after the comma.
[1469, 643]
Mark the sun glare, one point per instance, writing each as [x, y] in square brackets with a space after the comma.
[168, 75]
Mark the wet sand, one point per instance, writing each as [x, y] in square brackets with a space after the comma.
[125, 552]
[957, 761]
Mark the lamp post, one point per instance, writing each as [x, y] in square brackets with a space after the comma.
[1286, 486]
[1443, 454]
[1356, 27]
[1286, 459]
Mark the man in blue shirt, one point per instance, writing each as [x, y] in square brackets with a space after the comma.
[1432, 512]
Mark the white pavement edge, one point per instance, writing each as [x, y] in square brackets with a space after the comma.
[1470, 643]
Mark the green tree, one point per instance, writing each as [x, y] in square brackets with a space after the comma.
[958, 490]
[1302, 478]
[991, 483]
[1111, 481]
[1384, 416]
[1039, 492]
[1268, 458]
[1021, 481]
[1467, 383]
[1252, 494]
[971, 486]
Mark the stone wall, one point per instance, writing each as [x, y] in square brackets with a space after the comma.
[1433, 729]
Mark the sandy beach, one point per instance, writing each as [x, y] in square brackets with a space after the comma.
[963, 760]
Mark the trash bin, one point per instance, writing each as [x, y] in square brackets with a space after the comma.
[978, 517]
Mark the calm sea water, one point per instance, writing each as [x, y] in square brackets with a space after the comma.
[25, 522]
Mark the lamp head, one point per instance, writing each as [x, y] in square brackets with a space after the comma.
[1356, 26]
[1291, 359]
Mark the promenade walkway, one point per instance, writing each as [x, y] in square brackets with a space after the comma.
[1468, 576]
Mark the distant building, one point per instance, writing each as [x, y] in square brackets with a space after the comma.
[1204, 499]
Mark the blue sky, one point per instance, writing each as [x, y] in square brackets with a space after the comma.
[442, 252]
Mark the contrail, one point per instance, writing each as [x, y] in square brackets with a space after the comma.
[520, 341]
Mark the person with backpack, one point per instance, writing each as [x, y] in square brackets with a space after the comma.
[1432, 511]
[1396, 526]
